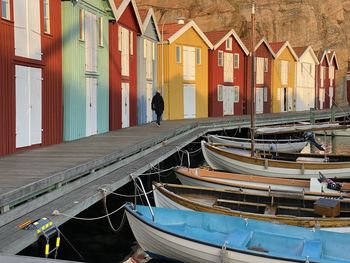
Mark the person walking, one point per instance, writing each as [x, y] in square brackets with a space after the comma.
[158, 106]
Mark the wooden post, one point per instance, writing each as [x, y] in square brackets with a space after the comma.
[252, 95]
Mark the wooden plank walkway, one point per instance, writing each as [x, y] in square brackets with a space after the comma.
[67, 176]
[25, 259]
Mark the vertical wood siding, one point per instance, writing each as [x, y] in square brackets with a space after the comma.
[7, 88]
[262, 51]
[128, 21]
[74, 75]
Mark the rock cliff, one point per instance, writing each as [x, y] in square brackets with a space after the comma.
[319, 23]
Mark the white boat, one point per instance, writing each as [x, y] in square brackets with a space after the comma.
[340, 132]
[189, 236]
[257, 184]
[280, 145]
[307, 210]
[299, 166]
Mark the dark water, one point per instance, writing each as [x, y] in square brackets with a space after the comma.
[96, 242]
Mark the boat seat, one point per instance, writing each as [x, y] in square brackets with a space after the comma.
[239, 237]
[312, 249]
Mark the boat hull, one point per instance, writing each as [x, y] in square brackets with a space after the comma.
[188, 236]
[224, 160]
[287, 146]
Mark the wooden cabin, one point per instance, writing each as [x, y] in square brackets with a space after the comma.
[332, 75]
[226, 73]
[85, 40]
[31, 75]
[123, 52]
[306, 76]
[283, 77]
[147, 65]
[264, 57]
[183, 71]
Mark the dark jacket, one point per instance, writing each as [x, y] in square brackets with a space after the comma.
[158, 104]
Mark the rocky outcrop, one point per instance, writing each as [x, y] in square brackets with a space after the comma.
[319, 23]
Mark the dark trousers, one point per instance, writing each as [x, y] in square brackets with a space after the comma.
[159, 116]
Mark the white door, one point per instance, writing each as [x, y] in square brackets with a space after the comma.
[259, 100]
[149, 102]
[290, 99]
[283, 99]
[125, 105]
[189, 101]
[91, 106]
[228, 100]
[189, 63]
[28, 106]
[322, 98]
[331, 93]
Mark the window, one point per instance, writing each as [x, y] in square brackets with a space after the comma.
[47, 16]
[260, 68]
[236, 60]
[100, 31]
[131, 43]
[284, 72]
[236, 94]
[178, 54]
[266, 65]
[120, 38]
[149, 58]
[228, 67]
[5, 9]
[198, 56]
[220, 59]
[229, 43]
[331, 73]
[81, 24]
[125, 50]
[220, 92]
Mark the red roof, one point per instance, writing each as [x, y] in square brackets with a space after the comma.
[118, 3]
[143, 13]
[299, 50]
[216, 36]
[170, 29]
[276, 46]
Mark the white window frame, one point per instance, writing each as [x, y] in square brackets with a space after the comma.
[100, 31]
[220, 89]
[131, 39]
[81, 24]
[178, 54]
[235, 60]
[198, 56]
[47, 18]
[7, 9]
[229, 43]
[119, 38]
[236, 94]
[220, 58]
[266, 65]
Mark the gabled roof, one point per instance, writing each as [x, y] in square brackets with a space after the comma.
[322, 55]
[332, 56]
[121, 5]
[146, 16]
[172, 31]
[300, 51]
[218, 37]
[264, 41]
[278, 48]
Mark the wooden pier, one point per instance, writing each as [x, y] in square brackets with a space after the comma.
[68, 176]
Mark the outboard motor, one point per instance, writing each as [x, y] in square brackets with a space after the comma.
[330, 183]
[310, 136]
